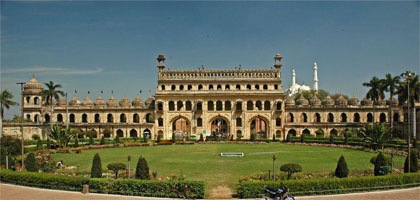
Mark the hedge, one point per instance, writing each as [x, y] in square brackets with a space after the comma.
[171, 189]
[353, 141]
[251, 189]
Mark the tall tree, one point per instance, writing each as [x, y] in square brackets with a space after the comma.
[390, 84]
[6, 101]
[376, 92]
[414, 93]
[51, 92]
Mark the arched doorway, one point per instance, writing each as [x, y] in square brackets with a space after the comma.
[220, 128]
[291, 132]
[334, 132]
[259, 128]
[382, 118]
[181, 127]
[306, 132]
[147, 133]
[133, 133]
[120, 133]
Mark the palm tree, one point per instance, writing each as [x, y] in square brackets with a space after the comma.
[390, 83]
[50, 93]
[414, 93]
[377, 135]
[376, 91]
[6, 101]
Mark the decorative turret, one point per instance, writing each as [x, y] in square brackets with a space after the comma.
[32, 87]
[74, 101]
[341, 101]
[381, 102]
[62, 102]
[137, 102]
[315, 101]
[328, 101]
[99, 102]
[290, 101]
[161, 62]
[302, 101]
[125, 102]
[87, 102]
[354, 101]
[150, 102]
[112, 102]
[277, 61]
[367, 102]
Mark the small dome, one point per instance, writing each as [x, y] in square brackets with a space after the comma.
[302, 101]
[290, 101]
[74, 101]
[112, 102]
[381, 102]
[87, 102]
[32, 86]
[62, 101]
[150, 102]
[100, 102]
[278, 57]
[354, 101]
[315, 101]
[328, 101]
[137, 102]
[160, 58]
[124, 102]
[367, 102]
[341, 101]
[394, 102]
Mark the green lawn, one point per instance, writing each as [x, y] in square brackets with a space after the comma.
[202, 161]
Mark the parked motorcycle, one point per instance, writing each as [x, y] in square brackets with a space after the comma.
[277, 194]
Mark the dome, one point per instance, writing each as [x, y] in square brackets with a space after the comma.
[290, 101]
[341, 101]
[381, 102]
[87, 102]
[302, 101]
[100, 102]
[112, 102]
[32, 86]
[328, 101]
[62, 101]
[149, 102]
[124, 102]
[354, 101]
[394, 102]
[74, 101]
[315, 101]
[137, 102]
[367, 102]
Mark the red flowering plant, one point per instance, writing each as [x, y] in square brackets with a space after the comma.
[45, 162]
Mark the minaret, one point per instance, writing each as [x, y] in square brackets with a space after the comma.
[293, 77]
[161, 62]
[315, 76]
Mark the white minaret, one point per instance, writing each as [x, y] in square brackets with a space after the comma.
[315, 76]
[293, 77]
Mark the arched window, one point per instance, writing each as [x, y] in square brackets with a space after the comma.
[199, 106]
[97, 118]
[228, 105]
[136, 118]
[47, 118]
[72, 118]
[149, 118]
[211, 87]
[250, 105]
[396, 117]
[173, 87]
[330, 117]
[123, 118]
[382, 118]
[238, 87]
[28, 116]
[162, 87]
[179, 105]
[36, 119]
[199, 122]
[291, 132]
[84, 118]
[219, 87]
[258, 104]
[278, 134]
[160, 121]
[110, 118]
[36, 100]
[59, 118]
[369, 117]
[356, 117]
[171, 106]
[210, 105]
[343, 117]
[189, 87]
[306, 132]
[276, 87]
[303, 117]
[248, 87]
[120, 133]
[265, 87]
[227, 87]
[317, 117]
[278, 121]
[239, 105]
[267, 105]
[28, 99]
[278, 106]
[133, 133]
[239, 134]
[188, 105]
[200, 87]
[160, 106]
[181, 87]
[290, 118]
[219, 105]
[238, 122]
[257, 87]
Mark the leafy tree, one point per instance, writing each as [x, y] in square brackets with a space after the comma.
[231, 138]
[11, 147]
[96, 171]
[144, 138]
[346, 138]
[51, 92]
[6, 101]
[173, 138]
[387, 160]
[115, 167]
[76, 142]
[30, 163]
[376, 135]
[290, 168]
[414, 90]
[380, 165]
[142, 169]
[201, 138]
[91, 142]
[415, 144]
[102, 141]
[390, 84]
[342, 170]
[39, 144]
[414, 162]
[321, 94]
[107, 132]
[117, 139]
[158, 138]
[61, 136]
[48, 143]
[376, 91]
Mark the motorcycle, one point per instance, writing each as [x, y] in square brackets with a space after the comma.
[277, 194]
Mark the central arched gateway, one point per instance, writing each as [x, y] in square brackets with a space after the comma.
[181, 127]
[220, 127]
[259, 127]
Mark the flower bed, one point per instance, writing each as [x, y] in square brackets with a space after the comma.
[133, 144]
[164, 143]
[185, 142]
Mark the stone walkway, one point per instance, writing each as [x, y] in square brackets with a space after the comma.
[15, 192]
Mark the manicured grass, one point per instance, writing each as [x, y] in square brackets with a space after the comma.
[203, 161]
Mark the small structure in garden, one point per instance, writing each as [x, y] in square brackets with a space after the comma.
[241, 154]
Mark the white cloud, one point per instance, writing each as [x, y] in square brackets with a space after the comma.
[53, 70]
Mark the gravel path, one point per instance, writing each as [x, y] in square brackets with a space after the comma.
[15, 192]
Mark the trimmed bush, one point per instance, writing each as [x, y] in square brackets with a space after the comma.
[91, 142]
[380, 165]
[414, 162]
[76, 142]
[30, 163]
[96, 171]
[158, 139]
[48, 143]
[251, 189]
[302, 138]
[201, 138]
[231, 138]
[173, 138]
[387, 160]
[290, 168]
[342, 170]
[117, 140]
[39, 144]
[142, 169]
[331, 139]
[102, 142]
[252, 137]
[274, 137]
[115, 167]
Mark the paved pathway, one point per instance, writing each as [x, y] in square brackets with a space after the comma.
[15, 192]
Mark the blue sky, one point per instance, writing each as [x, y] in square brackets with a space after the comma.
[94, 46]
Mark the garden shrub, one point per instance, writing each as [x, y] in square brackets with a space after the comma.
[115, 167]
[201, 138]
[48, 143]
[380, 165]
[39, 144]
[331, 139]
[252, 137]
[387, 160]
[158, 139]
[142, 169]
[30, 163]
[117, 139]
[414, 162]
[91, 142]
[302, 138]
[173, 138]
[102, 142]
[96, 171]
[342, 170]
[254, 189]
[274, 137]
[76, 142]
[36, 137]
[290, 168]
[231, 138]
